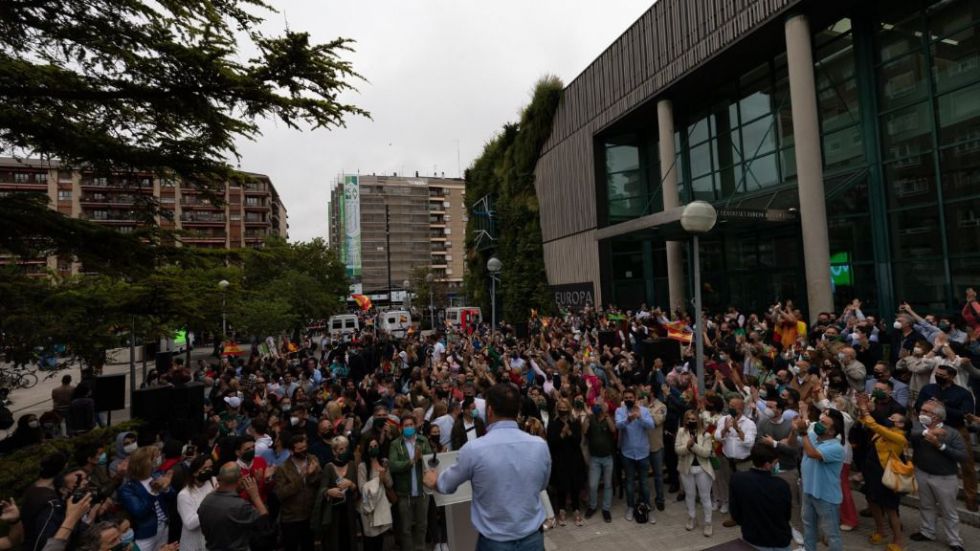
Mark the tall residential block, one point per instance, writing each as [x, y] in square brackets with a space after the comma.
[386, 226]
[245, 214]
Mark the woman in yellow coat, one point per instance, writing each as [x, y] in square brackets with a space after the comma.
[888, 441]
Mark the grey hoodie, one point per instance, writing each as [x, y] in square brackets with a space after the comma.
[120, 453]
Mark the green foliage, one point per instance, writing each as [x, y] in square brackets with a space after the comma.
[20, 469]
[159, 86]
[506, 170]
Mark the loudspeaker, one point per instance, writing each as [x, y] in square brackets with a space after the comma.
[178, 410]
[110, 392]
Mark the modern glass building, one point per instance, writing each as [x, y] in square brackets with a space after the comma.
[839, 141]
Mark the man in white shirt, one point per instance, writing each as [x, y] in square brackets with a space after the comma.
[737, 435]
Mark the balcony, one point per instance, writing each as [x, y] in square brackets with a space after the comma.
[254, 205]
[110, 216]
[143, 184]
[202, 218]
[195, 203]
[107, 199]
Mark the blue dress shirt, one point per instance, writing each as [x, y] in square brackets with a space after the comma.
[635, 441]
[508, 469]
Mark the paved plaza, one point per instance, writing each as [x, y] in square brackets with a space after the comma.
[669, 533]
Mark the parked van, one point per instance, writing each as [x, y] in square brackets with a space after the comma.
[395, 322]
[460, 316]
[343, 326]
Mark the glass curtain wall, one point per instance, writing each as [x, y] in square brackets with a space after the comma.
[928, 92]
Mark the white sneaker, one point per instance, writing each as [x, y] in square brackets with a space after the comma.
[708, 530]
[629, 514]
[723, 509]
[653, 519]
[797, 536]
[714, 505]
[690, 524]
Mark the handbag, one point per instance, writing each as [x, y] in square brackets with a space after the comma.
[899, 476]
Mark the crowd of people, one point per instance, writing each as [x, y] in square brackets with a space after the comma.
[325, 442]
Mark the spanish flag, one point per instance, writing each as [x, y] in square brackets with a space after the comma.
[679, 331]
[362, 301]
[231, 349]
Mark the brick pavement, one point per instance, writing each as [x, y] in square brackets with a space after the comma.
[669, 532]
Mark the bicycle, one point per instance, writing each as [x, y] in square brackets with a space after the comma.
[18, 378]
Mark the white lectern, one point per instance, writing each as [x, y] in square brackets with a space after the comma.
[459, 528]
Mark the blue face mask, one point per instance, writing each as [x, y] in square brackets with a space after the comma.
[127, 537]
[103, 458]
[408, 432]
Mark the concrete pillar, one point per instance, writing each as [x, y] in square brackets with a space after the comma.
[809, 166]
[668, 175]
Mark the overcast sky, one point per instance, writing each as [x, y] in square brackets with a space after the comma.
[440, 74]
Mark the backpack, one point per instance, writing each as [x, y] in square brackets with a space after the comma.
[641, 514]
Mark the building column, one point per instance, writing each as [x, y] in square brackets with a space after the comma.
[809, 166]
[668, 176]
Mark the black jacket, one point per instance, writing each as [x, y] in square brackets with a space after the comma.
[761, 504]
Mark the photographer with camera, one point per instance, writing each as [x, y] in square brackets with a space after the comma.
[142, 496]
[73, 496]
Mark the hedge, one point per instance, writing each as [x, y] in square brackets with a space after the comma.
[21, 468]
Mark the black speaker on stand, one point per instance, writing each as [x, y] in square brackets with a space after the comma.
[178, 410]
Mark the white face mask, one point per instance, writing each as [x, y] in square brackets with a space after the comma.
[294, 421]
[897, 325]
[130, 448]
[34, 423]
[926, 420]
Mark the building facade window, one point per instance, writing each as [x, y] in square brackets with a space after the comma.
[64, 195]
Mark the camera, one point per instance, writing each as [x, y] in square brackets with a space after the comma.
[98, 496]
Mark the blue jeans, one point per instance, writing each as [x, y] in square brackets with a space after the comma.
[603, 465]
[657, 462]
[637, 468]
[757, 548]
[534, 542]
[820, 516]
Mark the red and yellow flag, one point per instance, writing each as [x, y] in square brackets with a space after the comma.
[679, 331]
[231, 349]
[363, 302]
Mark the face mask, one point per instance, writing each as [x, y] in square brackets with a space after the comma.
[941, 381]
[204, 475]
[379, 422]
[374, 452]
[733, 412]
[286, 407]
[918, 351]
[897, 325]
[763, 393]
[596, 409]
[248, 456]
[819, 428]
[34, 423]
[944, 327]
[629, 404]
[127, 537]
[563, 413]
[294, 421]
[474, 413]
[579, 404]
[340, 459]
[158, 461]
[692, 426]
[878, 394]
[408, 432]
[841, 357]
[130, 448]
[768, 412]
[103, 458]
[926, 420]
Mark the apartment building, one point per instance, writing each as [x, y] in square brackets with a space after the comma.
[386, 226]
[244, 216]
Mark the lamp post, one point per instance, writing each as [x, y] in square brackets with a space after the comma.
[493, 266]
[408, 296]
[223, 285]
[429, 278]
[697, 218]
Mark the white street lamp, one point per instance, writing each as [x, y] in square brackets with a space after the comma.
[494, 265]
[697, 218]
[408, 299]
[223, 285]
[429, 278]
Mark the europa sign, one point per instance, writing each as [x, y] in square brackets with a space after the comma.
[574, 296]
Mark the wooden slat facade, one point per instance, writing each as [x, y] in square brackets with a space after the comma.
[669, 40]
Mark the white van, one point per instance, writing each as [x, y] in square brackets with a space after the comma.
[343, 326]
[395, 322]
[458, 315]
